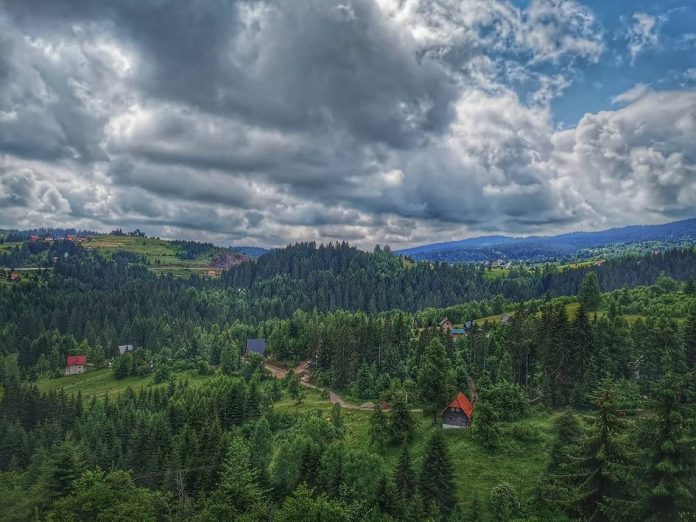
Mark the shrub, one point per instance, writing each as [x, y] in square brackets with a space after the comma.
[502, 501]
[507, 400]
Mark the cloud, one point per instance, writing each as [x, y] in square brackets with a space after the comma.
[632, 94]
[267, 122]
[642, 34]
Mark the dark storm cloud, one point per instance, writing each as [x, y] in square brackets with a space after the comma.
[277, 121]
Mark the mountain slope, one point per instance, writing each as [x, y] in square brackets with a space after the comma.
[539, 248]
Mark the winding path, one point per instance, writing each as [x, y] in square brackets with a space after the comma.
[280, 373]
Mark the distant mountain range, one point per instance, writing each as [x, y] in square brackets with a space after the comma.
[251, 251]
[547, 248]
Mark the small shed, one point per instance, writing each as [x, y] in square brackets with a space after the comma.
[125, 348]
[458, 412]
[75, 364]
[256, 346]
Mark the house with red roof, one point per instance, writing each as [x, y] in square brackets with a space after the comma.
[458, 412]
[75, 364]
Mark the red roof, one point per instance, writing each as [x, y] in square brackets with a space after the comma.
[76, 359]
[462, 403]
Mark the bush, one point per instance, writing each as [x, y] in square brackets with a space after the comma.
[507, 400]
[524, 433]
[503, 502]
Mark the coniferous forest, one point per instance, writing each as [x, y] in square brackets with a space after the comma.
[582, 380]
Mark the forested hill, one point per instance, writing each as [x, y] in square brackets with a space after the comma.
[552, 248]
[338, 276]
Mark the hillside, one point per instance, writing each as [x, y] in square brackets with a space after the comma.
[574, 245]
[174, 257]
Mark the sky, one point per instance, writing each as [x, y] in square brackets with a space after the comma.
[397, 122]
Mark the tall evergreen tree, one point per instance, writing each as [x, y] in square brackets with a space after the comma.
[590, 295]
[600, 475]
[671, 455]
[436, 479]
[435, 378]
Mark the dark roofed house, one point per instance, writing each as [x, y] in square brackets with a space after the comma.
[75, 364]
[446, 325]
[256, 346]
[458, 412]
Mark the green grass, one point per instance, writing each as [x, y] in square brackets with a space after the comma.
[477, 470]
[160, 254]
[495, 273]
[100, 382]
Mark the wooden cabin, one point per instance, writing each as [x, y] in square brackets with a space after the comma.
[446, 325]
[458, 412]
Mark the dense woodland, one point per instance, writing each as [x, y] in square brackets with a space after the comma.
[608, 352]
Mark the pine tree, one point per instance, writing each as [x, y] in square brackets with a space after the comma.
[436, 479]
[435, 378]
[590, 295]
[566, 441]
[601, 474]
[404, 477]
[402, 424]
[61, 470]
[379, 429]
[671, 455]
[261, 447]
[690, 340]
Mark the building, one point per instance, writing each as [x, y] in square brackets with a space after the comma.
[505, 318]
[458, 412]
[34, 238]
[446, 325]
[457, 332]
[14, 276]
[125, 348]
[213, 273]
[256, 346]
[75, 364]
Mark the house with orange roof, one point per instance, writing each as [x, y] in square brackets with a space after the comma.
[458, 412]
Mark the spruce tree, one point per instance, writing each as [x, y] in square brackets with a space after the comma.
[600, 475]
[590, 295]
[435, 379]
[690, 340]
[670, 454]
[379, 429]
[436, 479]
[404, 477]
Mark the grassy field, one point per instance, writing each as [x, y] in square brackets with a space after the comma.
[100, 382]
[495, 273]
[520, 463]
[161, 254]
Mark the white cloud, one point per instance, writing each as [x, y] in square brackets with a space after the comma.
[642, 34]
[634, 93]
